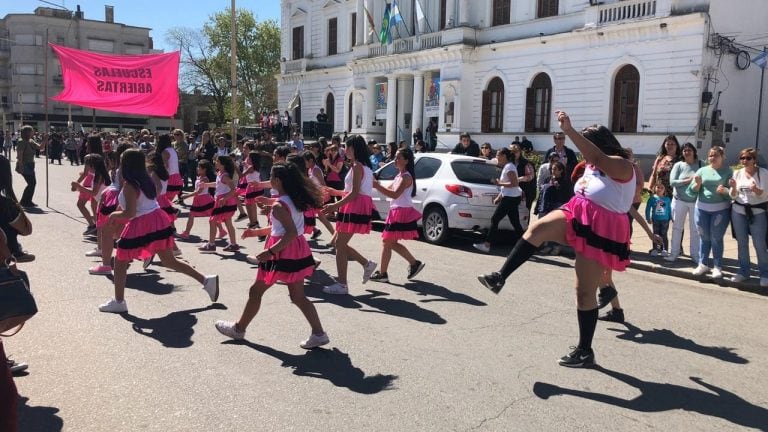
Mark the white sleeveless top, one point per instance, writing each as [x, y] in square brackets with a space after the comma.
[366, 185]
[253, 176]
[298, 218]
[173, 161]
[221, 187]
[115, 180]
[405, 199]
[144, 205]
[163, 187]
[604, 191]
[313, 177]
[509, 191]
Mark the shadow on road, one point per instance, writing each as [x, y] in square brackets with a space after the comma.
[174, 330]
[668, 338]
[329, 364]
[38, 418]
[657, 397]
[378, 301]
[148, 282]
[430, 289]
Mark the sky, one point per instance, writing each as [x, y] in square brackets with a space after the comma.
[159, 15]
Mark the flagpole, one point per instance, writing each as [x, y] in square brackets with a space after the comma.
[760, 104]
[47, 126]
[233, 72]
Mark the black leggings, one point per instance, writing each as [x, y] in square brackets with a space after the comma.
[508, 206]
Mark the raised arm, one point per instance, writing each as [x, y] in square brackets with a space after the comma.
[614, 166]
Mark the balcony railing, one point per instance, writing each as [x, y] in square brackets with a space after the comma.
[293, 66]
[626, 10]
[407, 45]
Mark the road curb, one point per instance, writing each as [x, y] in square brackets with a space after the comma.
[752, 285]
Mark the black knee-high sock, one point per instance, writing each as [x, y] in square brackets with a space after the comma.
[587, 325]
[520, 254]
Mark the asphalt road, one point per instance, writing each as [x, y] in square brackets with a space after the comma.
[435, 354]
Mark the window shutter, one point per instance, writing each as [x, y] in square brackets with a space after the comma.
[485, 116]
[630, 110]
[499, 126]
[530, 109]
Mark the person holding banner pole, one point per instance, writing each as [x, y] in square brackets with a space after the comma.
[25, 164]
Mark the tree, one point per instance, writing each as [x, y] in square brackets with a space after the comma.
[206, 58]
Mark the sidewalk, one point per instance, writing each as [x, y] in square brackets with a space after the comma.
[683, 266]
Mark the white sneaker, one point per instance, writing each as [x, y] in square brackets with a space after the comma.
[763, 282]
[93, 253]
[368, 270]
[737, 278]
[336, 288]
[252, 259]
[670, 258]
[228, 328]
[482, 247]
[315, 341]
[717, 273]
[664, 253]
[211, 286]
[700, 270]
[114, 306]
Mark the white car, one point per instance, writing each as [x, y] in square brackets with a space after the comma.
[452, 192]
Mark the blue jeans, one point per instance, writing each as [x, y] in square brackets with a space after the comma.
[711, 227]
[757, 229]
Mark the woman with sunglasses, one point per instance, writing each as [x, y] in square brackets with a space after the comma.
[749, 190]
[684, 203]
[713, 210]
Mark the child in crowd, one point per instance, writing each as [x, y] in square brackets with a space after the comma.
[253, 187]
[658, 213]
[99, 180]
[355, 210]
[148, 231]
[315, 174]
[402, 217]
[202, 196]
[85, 179]
[225, 206]
[286, 257]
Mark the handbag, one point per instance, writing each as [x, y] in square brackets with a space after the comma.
[17, 304]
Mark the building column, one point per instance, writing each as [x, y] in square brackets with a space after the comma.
[450, 14]
[361, 25]
[391, 108]
[464, 12]
[403, 88]
[418, 102]
[369, 116]
[367, 36]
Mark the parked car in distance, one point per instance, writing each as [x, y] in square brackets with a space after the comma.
[452, 192]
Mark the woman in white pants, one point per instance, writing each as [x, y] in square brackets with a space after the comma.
[683, 203]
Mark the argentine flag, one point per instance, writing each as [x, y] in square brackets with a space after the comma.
[761, 60]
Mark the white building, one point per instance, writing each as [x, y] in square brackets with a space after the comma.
[499, 68]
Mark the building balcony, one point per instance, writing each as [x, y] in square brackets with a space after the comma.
[405, 45]
[626, 11]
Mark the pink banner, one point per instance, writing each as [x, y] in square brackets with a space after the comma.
[132, 84]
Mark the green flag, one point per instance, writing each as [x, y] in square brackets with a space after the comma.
[385, 36]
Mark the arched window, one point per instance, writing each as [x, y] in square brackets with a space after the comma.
[626, 92]
[329, 107]
[538, 104]
[493, 107]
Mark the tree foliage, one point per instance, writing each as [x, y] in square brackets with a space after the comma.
[206, 59]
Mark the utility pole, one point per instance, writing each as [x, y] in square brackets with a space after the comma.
[233, 73]
[760, 104]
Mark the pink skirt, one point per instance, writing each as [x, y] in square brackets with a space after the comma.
[292, 264]
[597, 233]
[310, 221]
[251, 193]
[355, 216]
[167, 207]
[223, 211]
[87, 182]
[107, 205]
[401, 224]
[144, 235]
[175, 184]
[242, 186]
[202, 205]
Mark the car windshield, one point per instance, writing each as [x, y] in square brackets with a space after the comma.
[478, 172]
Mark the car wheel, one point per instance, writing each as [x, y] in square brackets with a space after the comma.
[435, 225]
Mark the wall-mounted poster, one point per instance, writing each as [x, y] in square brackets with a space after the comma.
[381, 101]
[432, 96]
